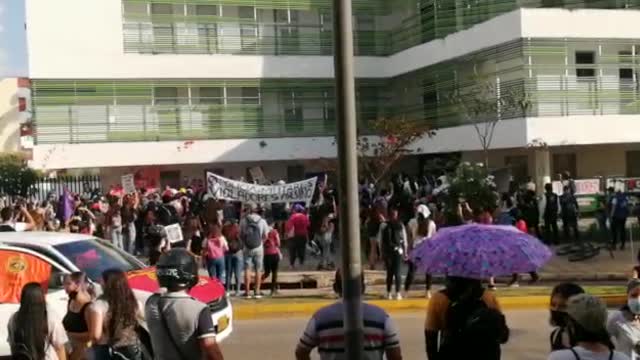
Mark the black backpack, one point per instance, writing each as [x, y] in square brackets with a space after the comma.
[473, 331]
[390, 237]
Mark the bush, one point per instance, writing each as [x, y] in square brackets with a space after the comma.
[16, 178]
[474, 184]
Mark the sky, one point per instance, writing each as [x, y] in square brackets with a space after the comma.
[13, 39]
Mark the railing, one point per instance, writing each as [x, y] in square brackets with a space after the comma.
[433, 19]
[44, 188]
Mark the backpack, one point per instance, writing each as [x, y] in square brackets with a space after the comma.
[473, 331]
[252, 236]
[7, 228]
[391, 241]
[621, 211]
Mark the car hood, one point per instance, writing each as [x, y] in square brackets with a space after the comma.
[206, 290]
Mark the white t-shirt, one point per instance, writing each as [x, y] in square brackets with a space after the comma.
[413, 230]
[57, 335]
[625, 331]
[585, 354]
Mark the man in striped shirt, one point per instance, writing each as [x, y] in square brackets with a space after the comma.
[325, 331]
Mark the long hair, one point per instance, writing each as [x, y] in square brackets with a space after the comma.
[80, 278]
[123, 305]
[423, 225]
[31, 321]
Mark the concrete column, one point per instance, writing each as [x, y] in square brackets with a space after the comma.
[542, 168]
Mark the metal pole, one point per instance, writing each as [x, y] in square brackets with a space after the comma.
[348, 178]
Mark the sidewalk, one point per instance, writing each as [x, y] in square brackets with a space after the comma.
[601, 268]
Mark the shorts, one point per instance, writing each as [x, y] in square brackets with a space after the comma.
[253, 258]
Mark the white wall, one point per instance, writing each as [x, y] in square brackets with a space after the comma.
[10, 117]
[584, 130]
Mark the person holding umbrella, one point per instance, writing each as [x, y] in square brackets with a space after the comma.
[465, 315]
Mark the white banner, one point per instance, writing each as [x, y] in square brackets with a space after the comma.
[128, 185]
[222, 188]
[583, 187]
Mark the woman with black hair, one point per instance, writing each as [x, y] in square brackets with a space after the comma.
[33, 332]
[114, 320]
[586, 320]
[561, 338]
[624, 325]
[76, 320]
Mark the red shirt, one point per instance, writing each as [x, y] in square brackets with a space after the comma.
[300, 223]
[272, 244]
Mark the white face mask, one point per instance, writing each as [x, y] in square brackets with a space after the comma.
[634, 305]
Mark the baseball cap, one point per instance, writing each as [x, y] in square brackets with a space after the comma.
[588, 311]
[424, 210]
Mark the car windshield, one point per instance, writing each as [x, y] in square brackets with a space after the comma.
[94, 256]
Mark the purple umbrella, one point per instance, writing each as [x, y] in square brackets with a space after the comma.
[480, 251]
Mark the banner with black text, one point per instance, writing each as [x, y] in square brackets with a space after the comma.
[222, 188]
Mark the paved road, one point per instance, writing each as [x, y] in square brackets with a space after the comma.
[276, 338]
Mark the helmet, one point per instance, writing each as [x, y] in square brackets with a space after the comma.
[177, 270]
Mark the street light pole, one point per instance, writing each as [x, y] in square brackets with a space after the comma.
[348, 178]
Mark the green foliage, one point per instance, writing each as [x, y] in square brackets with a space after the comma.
[474, 184]
[16, 178]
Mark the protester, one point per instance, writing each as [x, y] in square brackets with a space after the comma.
[324, 238]
[180, 326]
[214, 248]
[128, 215]
[421, 228]
[10, 224]
[114, 318]
[233, 258]
[253, 233]
[192, 233]
[375, 218]
[34, 332]
[521, 225]
[393, 243]
[76, 320]
[561, 337]
[624, 325]
[468, 321]
[325, 331]
[551, 211]
[570, 212]
[272, 257]
[297, 229]
[156, 237]
[114, 224]
[619, 215]
[587, 316]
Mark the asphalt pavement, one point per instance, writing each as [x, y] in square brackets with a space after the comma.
[277, 338]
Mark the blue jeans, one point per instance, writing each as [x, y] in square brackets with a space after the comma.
[117, 238]
[233, 265]
[216, 269]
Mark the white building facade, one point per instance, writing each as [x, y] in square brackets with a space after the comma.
[184, 86]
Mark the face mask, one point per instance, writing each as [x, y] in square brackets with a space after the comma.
[73, 295]
[634, 305]
[558, 318]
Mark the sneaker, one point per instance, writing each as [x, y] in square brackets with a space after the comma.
[259, 295]
[237, 293]
[389, 296]
[492, 287]
[248, 296]
[428, 294]
[398, 296]
[514, 285]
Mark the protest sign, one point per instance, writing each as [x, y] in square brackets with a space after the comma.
[174, 233]
[227, 189]
[583, 186]
[128, 184]
[257, 175]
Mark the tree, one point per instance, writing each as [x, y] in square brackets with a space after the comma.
[473, 184]
[485, 103]
[388, 140]
[16, 178]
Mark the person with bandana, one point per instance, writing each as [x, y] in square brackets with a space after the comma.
[624, 325]
[561, 338]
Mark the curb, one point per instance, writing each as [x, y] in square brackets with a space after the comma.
[269, 311]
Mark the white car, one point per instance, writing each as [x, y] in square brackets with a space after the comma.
[67, 253]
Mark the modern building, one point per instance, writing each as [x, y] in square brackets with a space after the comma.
[176, 87]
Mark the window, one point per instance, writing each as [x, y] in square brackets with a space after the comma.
[95, 256]
[250, 95]
[564, 162]
[165, 96]
[329, 112]
[295, 173]
[207, 10]
[519, 165]
[625, 58]
[633, 163]
[211, 95]
[170, 178]
[585, 61]
[161, 9]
